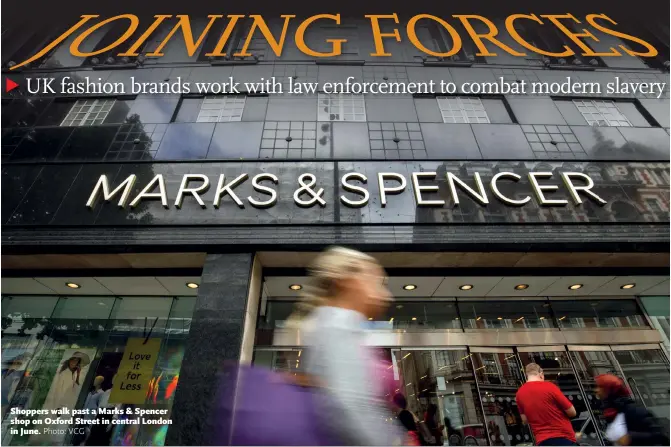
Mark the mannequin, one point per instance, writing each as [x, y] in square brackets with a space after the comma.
[92, 403]
[101, 434]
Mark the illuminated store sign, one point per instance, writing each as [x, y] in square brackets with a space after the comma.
[429, 189]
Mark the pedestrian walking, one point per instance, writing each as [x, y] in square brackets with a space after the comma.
[545, 409]
[629, 423]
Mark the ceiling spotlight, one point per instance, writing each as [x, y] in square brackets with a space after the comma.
[192, 285]
[521, 286]
[628, 286]
[575, 286]
[499, 318]
[409, 287]
[72, 285]
[414, 318]
[295, 287]
[370, 319]
[466, 287]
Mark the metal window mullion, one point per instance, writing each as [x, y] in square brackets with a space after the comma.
[88, 113]
[590, 412]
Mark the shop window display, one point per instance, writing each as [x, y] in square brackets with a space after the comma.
[68, 351]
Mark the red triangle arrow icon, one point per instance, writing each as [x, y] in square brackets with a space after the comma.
[10, 85]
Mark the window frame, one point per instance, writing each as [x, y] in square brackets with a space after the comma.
[222, 107]
[342, 110]
[82, 122]
[450, 100]
[602, 111]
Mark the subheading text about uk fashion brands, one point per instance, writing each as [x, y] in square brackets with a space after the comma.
[293, 85]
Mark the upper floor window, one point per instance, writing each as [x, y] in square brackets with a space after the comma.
[217, 109]
[88, 112]
[341, 107]
[460, 109]
[601, 113]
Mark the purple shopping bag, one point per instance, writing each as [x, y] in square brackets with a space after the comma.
[258, 407]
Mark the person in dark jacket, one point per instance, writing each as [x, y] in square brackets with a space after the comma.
[404, 416]
[629, 423]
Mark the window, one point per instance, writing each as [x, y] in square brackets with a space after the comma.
[598, 313]
[88, 112]
[342, 107]
[218, 109]
[506, 315]
[601, 113]
[459, 109]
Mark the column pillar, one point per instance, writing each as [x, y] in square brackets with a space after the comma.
[214, 338]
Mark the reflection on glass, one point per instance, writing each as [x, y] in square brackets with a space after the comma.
[647, 375]
[505, 315]
[419, 315]
[408, 315]
[499, 376]
[71, 340]
[596, 313]
[557, 369]
[444, 379]
[588, 365]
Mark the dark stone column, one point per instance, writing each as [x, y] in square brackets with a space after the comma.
[214, 338]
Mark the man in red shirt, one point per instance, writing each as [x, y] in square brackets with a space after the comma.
[543, 406]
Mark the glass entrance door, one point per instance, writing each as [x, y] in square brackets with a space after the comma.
[558, 369]
[499, 375]
[646, 371]
[440, 389]
[589, 362]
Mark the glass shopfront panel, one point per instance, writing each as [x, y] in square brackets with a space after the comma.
[590, 363]
[647, 374]
[596, 314]
[658, 310]
[60, 346]
[499, 376]
[510, 315]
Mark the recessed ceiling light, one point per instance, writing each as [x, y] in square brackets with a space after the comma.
[370, 319]
[466, 286]
[409, 287]
[192, 285]
[295, 287]
[521, 286]
[628, 286]
[575, 286]
[414, 318]
[499, 318]
[72, 285]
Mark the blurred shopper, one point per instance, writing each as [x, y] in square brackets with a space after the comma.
[545, 409]
[431, 420]
[347, 287]
[628, 422]
[405, 417]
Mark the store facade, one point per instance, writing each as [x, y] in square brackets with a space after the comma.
[514, 228]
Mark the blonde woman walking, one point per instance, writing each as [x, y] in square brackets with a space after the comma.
[347, 287]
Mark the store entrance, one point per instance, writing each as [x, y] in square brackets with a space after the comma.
[469, 393]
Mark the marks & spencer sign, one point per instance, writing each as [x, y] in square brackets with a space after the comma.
[306, 189]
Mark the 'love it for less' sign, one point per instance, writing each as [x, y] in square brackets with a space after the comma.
[135, 371]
